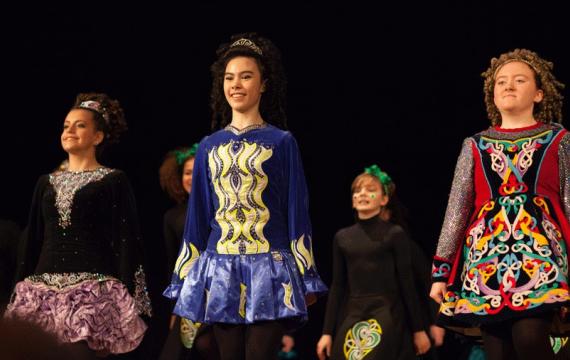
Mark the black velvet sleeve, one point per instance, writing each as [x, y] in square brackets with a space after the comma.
[422, 277]
[31, 244]
[9, 237]
[126, 241]
[403, 259]
[337, 289]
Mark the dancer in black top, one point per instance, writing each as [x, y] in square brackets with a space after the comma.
[373, 308]
[80, 268]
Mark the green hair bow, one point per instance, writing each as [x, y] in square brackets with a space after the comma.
[182, 156]
[384, 178]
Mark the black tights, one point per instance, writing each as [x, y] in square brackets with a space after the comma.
[259, 341]
[519, 339]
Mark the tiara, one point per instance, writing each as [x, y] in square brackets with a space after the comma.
[248, 44]
[95, 106]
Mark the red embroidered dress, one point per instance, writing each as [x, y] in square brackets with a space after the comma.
[503, 245]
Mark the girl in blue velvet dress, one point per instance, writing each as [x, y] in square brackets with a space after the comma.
[246, 263]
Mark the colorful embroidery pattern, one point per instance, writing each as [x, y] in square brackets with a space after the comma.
[440, 270]
[188, 331]
[239, 182]
[361, 339]
[514, 255]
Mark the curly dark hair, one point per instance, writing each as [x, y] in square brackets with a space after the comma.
[546, 111]
[268, 58]
[111, 120]
[170, 174]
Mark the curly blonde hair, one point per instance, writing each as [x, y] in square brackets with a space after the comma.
[546, 111]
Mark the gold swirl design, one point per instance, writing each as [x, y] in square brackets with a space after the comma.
[361, 339]
[188, 331]
[303, 255]
[239, 182]
[186, 259]
[288, 295]
[242, 298]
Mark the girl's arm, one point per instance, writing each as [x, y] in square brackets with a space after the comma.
[459, 208]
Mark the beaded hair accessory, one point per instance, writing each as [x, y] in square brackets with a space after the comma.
[248, 44]
[95, 106]
[182, 156]
[384, 178]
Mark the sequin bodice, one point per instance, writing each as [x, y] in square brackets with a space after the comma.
[82, 222]
[84, 226]
[66, 184]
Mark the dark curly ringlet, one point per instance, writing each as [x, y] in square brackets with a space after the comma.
[116, 124]
[170, 174]
[550, 108]
[272, 103]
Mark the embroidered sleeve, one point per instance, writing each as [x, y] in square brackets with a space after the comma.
[299, 224]
[457, 214]
[197, 227]
[564, 171]
[142, 299]
[126, 242]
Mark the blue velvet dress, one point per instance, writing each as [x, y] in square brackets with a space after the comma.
[246, 254]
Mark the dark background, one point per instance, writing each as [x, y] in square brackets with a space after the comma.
[398, 85]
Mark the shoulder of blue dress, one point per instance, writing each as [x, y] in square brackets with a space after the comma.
[284, 135]
[204, 140]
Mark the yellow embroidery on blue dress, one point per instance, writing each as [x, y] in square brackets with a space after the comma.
[303, 255]
[187, 258]
[239, 182]
[188, 331]
[288, 295]
[361, 339]
[242, 297]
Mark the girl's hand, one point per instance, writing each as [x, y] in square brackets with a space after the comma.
[438, 290]
[437, 334]
[310, 299]
[324, 347]
[421, 342]
[172, 322]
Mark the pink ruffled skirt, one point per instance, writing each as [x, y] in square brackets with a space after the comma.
[102, 313]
